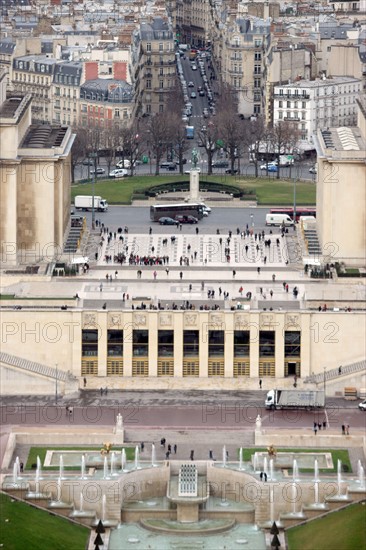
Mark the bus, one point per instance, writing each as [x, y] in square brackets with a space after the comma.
[158, 211]
[300, 211]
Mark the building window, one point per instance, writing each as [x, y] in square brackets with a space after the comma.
[89, 343]
[165, 343]
[280, 115]
[257, 69]
[161, 71]
[161, 108]
[241, 343]
[257, 109]
[267, 343]
[161, 47]
[148, 47]
[303, 104]
[148, 84]
[288, 104]
[280, 104]
[257, 56]
[303, 115]
[257, 83]
[190, 343]
[148, 108]
[140, 343]
[116, 113]
[216, 343]
[115, 343]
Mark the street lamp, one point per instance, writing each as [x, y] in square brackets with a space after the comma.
[251, 220]
[325, 368]
[93, 156]
[56, 383]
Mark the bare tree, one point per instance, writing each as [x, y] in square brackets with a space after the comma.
[282, 139]
[157, 133]
[257, 135]
[231, 128]
[179, 141]
[78, 151]
[208, 138]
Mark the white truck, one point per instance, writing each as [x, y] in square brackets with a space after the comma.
[295, 399]
[85, 202]
[279, 219]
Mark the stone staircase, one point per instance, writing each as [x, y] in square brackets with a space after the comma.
[31, 366]
[334, 373]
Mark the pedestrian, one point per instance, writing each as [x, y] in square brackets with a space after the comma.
[202, 285]
[190, 288]
[197, 230]
[67, 409]
[155, 274]
[343, 429]
[324, 424]
[261, 476]
[271, 293]
[71, 410]
[84, 382]
[234, 273]
[167, 455]
[142, 446]
[265, 476]
[210, 455]
[340, 370]
[181, 275]
[115, 274]
[319, 426]
[21, 467]
[192, 455]
[101, 287]
[180, 227]
[273, 277]
[167, 271]
[260, 383]
[101, 391]
[175, 449]
[169, 448]
[258, 270]
[347, 429]
[315, 429]
[150, 230]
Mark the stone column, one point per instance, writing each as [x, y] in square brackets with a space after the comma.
[194, 185]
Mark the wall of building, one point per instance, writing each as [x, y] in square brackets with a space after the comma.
[328, 339]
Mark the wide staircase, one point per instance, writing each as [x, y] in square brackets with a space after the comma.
[75, 234]
[335, 373]
[32, 366]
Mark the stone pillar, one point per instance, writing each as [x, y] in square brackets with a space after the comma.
[194, 185]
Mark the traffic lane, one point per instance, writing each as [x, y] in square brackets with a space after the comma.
[226, 415]
[225, 219]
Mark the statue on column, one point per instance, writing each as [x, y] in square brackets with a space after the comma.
[195, 158]
[119, 422]
[258, 422]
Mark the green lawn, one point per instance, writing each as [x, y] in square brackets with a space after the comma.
[25, 527]
[343, 530]
[41, 452]
[268, 191]
[340, 454]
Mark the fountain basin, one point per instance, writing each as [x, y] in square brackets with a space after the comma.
[204, 526]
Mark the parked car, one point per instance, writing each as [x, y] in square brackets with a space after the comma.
[201, 93]
[168, 165]
[118, 173]
[184, 161]
[99, 170]
[88, 162]
[194, 67]
[313, 169]
[190, 84]
[220, 164]
[362, 405]
[123, 164]
[167, 221]
[232, 172]
[193, 95]
[269, 164]
[272, 168]
[186, 219]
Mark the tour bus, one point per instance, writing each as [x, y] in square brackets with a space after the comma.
[300, 211]
[158, 211]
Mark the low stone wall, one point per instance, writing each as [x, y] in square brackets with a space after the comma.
[323, 439]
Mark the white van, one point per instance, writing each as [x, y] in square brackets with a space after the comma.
[279, 219]
[124, 164]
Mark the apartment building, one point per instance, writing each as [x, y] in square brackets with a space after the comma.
[153, 59]
[65, 92]
[241, 62]
[105, 101]
[317, 104]
[33, 74]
